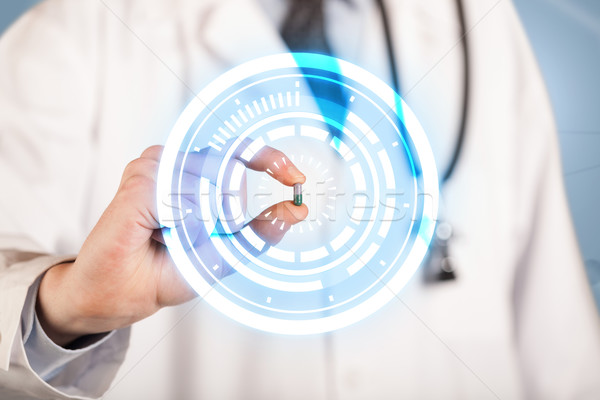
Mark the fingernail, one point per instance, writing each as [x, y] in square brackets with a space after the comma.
[296, 174]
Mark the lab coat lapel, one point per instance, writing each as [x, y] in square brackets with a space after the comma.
[430, 68]
[238, 30]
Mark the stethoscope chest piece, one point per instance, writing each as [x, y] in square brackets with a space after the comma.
[439, 265]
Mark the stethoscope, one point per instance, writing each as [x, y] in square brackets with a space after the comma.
[438, 265]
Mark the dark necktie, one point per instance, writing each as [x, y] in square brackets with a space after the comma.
[303, 30]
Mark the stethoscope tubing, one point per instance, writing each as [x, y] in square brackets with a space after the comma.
[392, 60]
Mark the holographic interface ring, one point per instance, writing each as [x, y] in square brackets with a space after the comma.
[371, 190]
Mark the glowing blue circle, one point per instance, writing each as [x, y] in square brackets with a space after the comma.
[371, 189]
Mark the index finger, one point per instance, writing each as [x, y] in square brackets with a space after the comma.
[276, 164]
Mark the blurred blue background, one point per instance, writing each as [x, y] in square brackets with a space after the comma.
[566, 39]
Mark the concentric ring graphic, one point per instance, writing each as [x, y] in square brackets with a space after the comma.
[371, 190]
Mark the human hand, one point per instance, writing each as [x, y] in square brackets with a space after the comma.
[123, 272]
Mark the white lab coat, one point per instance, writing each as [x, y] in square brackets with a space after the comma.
[84, 89]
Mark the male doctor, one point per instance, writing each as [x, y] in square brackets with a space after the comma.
[87, 86]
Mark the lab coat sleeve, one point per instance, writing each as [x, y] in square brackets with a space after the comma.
[45, 357]
[557, 326]
[89, 374]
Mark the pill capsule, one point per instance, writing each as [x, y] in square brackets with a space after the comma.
[298, 194]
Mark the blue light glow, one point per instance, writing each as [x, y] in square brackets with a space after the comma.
[367, 163]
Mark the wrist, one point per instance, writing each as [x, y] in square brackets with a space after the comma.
[55, 308]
